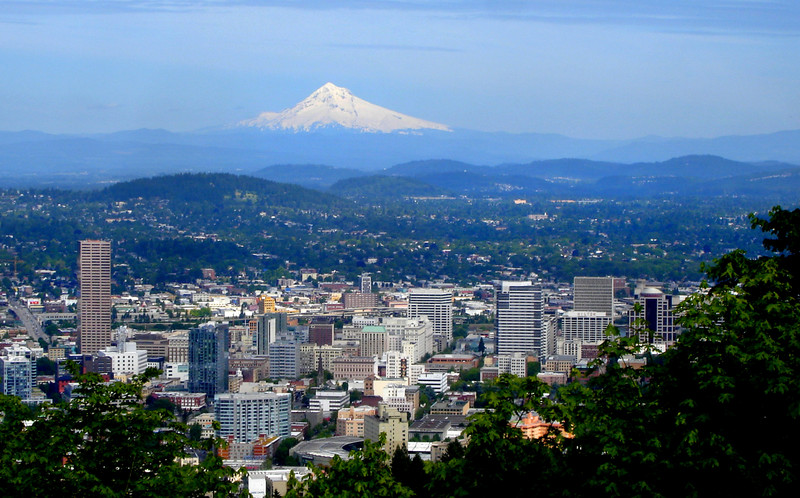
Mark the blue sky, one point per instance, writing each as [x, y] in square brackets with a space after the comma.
[588, 69]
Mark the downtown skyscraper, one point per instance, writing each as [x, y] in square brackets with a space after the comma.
[520, 311]
[437, 305]
[94, 305]
[208, 359]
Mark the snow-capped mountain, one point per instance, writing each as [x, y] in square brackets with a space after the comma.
[331, 106]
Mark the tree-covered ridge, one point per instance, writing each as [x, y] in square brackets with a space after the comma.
[463, 239]
[370, 188]
[713, 416]
[218, 189]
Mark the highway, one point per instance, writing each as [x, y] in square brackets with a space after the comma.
[28, 320]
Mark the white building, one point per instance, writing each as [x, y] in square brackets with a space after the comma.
[394, 396]
[31, 355]
[126, 359]
[329, 401]
[519, 318]
[178, 371]
[586, 326]
[414, 371]
[514, 364]
[396, 364]
[265, 483]
[17, 376]
[248, 416]
[414, 336]
[437, 305]
[435, 380]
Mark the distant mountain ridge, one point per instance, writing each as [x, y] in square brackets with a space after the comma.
[683, 176]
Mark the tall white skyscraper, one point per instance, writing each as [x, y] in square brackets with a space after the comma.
[437, 305]
[519, 318]
[94, 306]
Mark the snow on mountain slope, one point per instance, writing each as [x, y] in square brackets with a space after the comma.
[331, 105]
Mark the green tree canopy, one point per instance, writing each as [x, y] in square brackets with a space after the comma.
[103, 443]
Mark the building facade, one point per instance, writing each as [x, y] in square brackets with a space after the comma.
[437, 305]
[284, 360]
[17, 374]
[208, 359]
[270, 327]
[390, 422]
[94, 304]
[654, 321]
[587, 326]
[246, 417]
[519, 318]
[594, 294]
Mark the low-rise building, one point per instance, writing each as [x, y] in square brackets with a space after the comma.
[354, 367]
[329, 401]
[559, 363]
[435, 380]
[447, 362]
[184, 401]
[268, 483]
[451, 407]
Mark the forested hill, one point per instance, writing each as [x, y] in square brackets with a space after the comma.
[218, 189]
[385, 187]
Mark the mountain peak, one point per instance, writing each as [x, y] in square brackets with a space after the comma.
[334, 106]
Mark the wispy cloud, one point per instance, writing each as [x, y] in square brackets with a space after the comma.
[379, 46]
[103, 107]
[758, 17]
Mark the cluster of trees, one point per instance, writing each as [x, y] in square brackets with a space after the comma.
[105, 442]
[713, 416]
[164, 231]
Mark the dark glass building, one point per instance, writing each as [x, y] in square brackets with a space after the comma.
[208, 359]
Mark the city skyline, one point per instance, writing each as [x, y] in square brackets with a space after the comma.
[609, 69]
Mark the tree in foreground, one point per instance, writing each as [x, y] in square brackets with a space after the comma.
[367, 473]
[103, 443]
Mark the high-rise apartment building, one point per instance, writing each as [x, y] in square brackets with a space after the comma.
[208, 359]
[519, 318]
[94, 305]
[284, 360]
[437, 305]
[366, 283]
[17, 375]
[249, 416]
[594, 294]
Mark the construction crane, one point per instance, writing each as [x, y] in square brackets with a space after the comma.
[15, 260]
